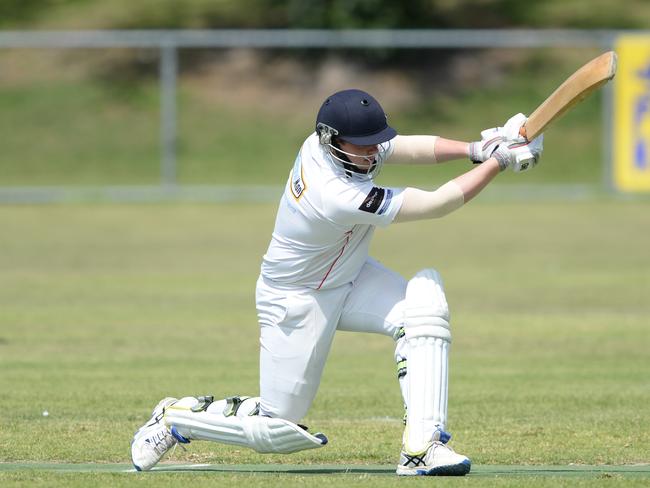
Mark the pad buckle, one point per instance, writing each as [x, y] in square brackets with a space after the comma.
[232, 405]
[204, 403]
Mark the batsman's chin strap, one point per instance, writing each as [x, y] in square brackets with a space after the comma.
[326, 137]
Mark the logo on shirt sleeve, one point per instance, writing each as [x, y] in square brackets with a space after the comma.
[377, 201]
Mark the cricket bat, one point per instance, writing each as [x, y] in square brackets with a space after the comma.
[576, 88]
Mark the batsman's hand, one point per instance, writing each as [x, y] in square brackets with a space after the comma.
[511, 128]
[519, 154]
[482, 150]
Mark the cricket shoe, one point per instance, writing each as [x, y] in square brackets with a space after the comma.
[437, 460]
[154, 439]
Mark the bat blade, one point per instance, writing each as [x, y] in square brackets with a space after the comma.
[576, 88]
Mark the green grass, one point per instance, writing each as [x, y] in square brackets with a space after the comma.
[78, 133]
[106, 309]
[88, 129]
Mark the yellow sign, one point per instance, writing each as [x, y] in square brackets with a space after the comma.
[632, 114]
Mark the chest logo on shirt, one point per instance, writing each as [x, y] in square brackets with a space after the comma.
[374, 199]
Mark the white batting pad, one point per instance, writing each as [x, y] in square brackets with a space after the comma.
[263, 434]
[428, 338]
[426, 310]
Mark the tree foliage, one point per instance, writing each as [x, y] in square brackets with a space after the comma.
[328, 14]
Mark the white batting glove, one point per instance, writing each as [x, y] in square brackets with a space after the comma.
[490, 138]
[519, 154]
[482, 150]
[510, 130]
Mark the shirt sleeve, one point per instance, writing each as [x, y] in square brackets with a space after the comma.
[355, 203]
[413, 149]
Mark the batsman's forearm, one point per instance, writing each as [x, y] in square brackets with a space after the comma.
[427, 150]
[472, 182]
[421, 204]
[449, 150]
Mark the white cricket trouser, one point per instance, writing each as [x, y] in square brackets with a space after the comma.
[297, 326]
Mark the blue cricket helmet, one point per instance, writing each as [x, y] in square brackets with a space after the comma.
[353, 116]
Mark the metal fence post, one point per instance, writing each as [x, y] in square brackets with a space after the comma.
[168, 136]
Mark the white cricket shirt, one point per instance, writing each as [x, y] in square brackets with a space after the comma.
[325, 221]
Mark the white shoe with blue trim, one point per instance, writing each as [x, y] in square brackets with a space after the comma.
[437, 460]
[154, 439]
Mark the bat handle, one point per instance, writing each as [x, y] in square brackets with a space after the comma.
[522, 131]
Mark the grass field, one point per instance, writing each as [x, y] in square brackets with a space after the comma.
[76, 127]
[106, 309]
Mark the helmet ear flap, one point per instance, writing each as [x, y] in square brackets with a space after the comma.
[325, 133]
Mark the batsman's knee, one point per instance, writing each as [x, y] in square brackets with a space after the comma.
[426, 312]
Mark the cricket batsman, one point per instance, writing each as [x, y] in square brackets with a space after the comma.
[317, 277]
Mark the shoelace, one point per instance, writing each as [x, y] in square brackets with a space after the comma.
[175, 446]
[162, 445]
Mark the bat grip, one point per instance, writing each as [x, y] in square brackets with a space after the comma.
[522, 131]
